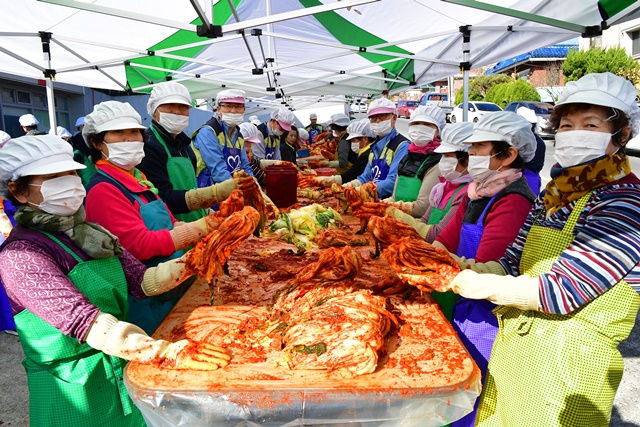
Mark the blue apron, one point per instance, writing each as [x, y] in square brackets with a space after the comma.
[312, 134]
[230, 154]
[149, 312]
[271, 144]
[474, 320]
[379, 166]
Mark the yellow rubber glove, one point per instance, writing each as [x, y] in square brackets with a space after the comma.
[187, 234]
[419, 226]
[355, 183]
[264, 163]
[333, 163]
[520, 292]
[201, 198]
[129, 342]
[164, 277]
[328, 181]
[491, 267]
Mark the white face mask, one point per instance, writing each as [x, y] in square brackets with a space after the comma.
[447, 168]
[126, 155]
[61, 196]
[579, 146]
[335, 134]
[479, 168]
[421, 135]
[173, 123]
[355, 147]
[382, 128]
[232, 119]
[277, 132]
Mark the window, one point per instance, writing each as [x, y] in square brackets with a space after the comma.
[39, 100]
[8, 96]
[24, 97]
[635, 42]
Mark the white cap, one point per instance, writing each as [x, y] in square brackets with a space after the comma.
[232, 96]
[303, 134]
[382, 106]
[360, 128]
[254, 120]
[506, 126]
[429, 114]
[250, 132]
[80, 121]
[28, 120]
[35, 155]
[605, 89]
[313, 116]
[168, 93]
[453, 136]
[110, 115]
[528, 114]
[4, 137]
[340, 119]
[63, 133]
[284, 117]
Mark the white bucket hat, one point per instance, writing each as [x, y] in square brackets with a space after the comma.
[360, 128]
[250, 133]
[453, 136]
[168, 93]
[382, 106]
[506, 126]
[28, 120]
[110, 115]
[429, 114]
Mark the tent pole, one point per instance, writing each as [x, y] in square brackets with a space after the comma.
[465, 66]
[49, 74]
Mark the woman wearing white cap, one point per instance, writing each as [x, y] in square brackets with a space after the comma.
[567, 288]
[386, 152]
[121, 199]
[218, 143]
[169, 161]
[280, 122]
[30, 124]
[495, 206]
[68, 282]
[416, 172]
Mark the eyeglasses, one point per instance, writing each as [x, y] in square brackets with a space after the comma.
[232, 107]
[380, 118]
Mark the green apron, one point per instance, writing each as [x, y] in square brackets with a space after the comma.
[551, 369]
[72, 384]
[408, 187]
[446, 299]
[182, 177]
[86, 173]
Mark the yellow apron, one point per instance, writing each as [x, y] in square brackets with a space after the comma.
[557, 370]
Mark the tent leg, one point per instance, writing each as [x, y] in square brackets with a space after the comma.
[465, 99]
[51, 106]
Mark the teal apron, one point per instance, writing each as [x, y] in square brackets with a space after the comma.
[408, 187]
[557, 369]
[72, 384]
[182, 177]
[149, 312]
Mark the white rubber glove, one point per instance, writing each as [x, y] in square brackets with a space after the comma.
[355, 183]
[201, 198]
[491, 267]
[328, 181]
[129, 342]
[419, 226]
[520, 292]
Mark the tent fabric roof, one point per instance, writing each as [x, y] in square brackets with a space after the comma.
[353, 47]
[555, 51]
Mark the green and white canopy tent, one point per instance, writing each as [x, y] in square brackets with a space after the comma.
[293, 51]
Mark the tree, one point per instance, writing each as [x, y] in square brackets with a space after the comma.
[479, 86]
[597, 60]
[504, 93]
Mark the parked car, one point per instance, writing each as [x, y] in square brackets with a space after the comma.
[476, 110]
[439, 99]
[406, 107]
[359, 107]
[543, 112]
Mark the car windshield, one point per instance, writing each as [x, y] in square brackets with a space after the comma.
[412, 103]
[487, 107]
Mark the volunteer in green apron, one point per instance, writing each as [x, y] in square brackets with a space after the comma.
[569, 295]
[68, 282]
[417, 173]
[169, 161]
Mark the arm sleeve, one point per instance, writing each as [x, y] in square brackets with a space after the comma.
[343, 153]
[107, 206]
[420, 205]
[154, 166]
[245, 162]
[207, 143]
[392, 197]
[134, 273]
[365, 176]
[450, 235]
[502, 224]
[34, 281]
[355, 169]
[258, 151]
[385, 187]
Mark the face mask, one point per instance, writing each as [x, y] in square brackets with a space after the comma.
[277, 132]
[447, 168]
[421, 135]
[479, 168]
[355, 147]
[382, 128]
[61, 196]
[579, 146]
[232, 119]
[173, 123]
[125, 155]
[335, 134]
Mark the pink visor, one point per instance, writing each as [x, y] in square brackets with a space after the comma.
[283, 125]
[381, 110]
[238, 100]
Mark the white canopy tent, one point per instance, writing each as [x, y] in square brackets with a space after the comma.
[294, 51]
